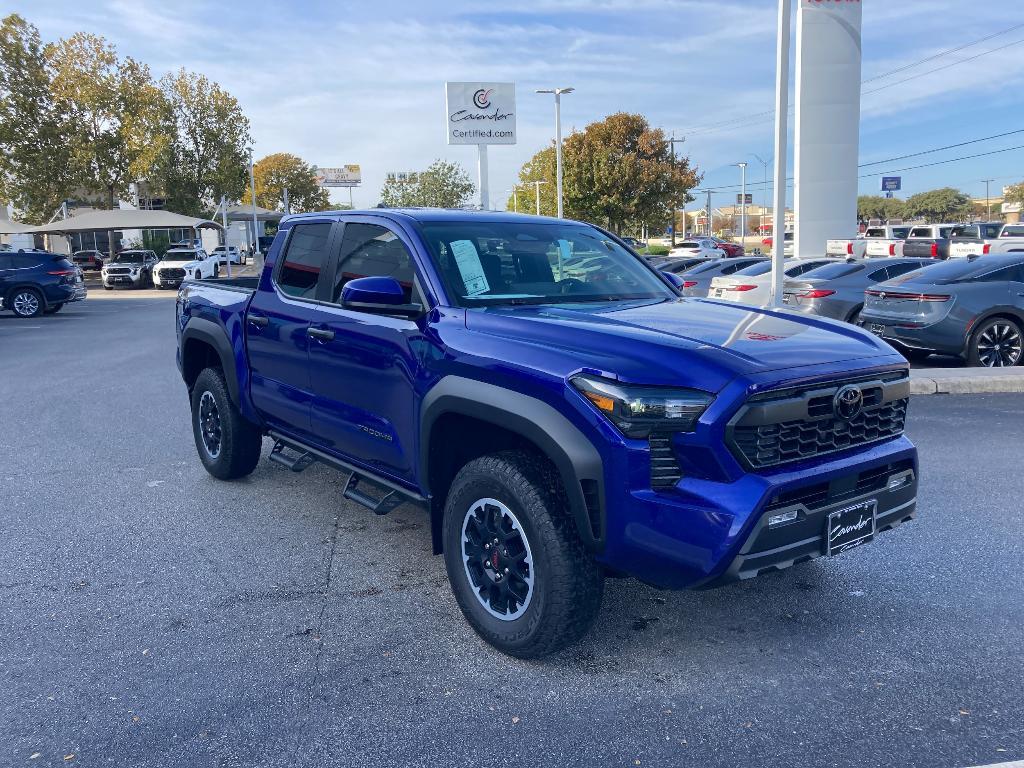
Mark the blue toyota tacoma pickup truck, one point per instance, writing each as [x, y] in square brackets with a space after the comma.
[558, 409]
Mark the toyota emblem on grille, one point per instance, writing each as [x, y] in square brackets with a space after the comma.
[848, 402]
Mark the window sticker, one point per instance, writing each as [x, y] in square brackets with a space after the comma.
[472, 271]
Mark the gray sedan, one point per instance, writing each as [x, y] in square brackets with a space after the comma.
[973, 308]
[837, 290]
[697, 280]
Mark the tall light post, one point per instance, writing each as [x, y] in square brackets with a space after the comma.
[255, 220]
[988, 199]
[764, 192]
[536, 188]
[743, 202]
[558, 140]
[781, 147]
[515, 199]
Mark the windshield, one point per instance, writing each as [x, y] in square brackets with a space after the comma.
[180, 256]
[485, 263]
[128, 257]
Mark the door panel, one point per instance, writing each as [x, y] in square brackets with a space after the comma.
[363, 380]
[277, 326]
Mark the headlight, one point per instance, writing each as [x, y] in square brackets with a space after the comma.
[638, 410]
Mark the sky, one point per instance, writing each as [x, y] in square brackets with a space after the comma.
[344, 82]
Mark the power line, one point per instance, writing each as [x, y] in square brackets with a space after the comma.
[760, 117]
[941, 149]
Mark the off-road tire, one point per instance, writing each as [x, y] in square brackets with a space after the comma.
[240, 440]
[568, 583]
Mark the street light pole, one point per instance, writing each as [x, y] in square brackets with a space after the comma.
[781, 146]
[743, 202]
[558, 139]
[764, 192]
[255, 224]
[515, 199]
[536, 187]
[988, 199]
[672, 143]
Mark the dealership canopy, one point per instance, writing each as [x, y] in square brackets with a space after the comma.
[244, 213]
[8, 227]
[102, 221]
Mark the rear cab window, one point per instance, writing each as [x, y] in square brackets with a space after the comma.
[920, 232]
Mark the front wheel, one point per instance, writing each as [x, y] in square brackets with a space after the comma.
[228, 445]
[514, 559]
[996, 343]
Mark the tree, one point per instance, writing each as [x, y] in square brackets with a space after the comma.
[620, 171]
[441, 185]
[878, 207]
[1014, 194]
[946, 204]
[540, 167]
[206, 153]
[35, 156]
[114, 111]
[277, 172]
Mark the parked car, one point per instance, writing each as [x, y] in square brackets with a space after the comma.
[837, 290]
[180, 264]
[730, 248]
[697, 280]
[968, 307]
[677, 265]
[787, 243]
[129, 269]
[753, 285]
[88, 260]
[984, 239]
[887, 238]
[6, 247]
[928, 241]
[703, 247]
[228, 253]
[632, 242]
[33, 283]
[552, 430]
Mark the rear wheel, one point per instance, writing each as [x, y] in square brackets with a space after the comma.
[27, 302]
[996, 343]
[854, 317]
[228, 445]
[519, 572]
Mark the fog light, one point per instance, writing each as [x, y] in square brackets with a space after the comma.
[898, 482]
[786, 517]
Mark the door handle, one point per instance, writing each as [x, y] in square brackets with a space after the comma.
[321, 334]
[259, 321]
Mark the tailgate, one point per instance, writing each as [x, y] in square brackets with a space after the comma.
[883, 248]
[837, 247]
[963, 249]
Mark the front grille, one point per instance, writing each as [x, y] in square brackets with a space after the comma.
[800, 423]
[119, 271]
[172, 274]
[665, 471]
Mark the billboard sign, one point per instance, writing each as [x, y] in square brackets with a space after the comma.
[481, 113]
[346, 176]
[747, 199]
[892, 183]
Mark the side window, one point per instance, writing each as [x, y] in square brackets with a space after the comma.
[369, 250]
[26, 261]
[883, 274]
[991, 231]
[304, 259]
[1016, 273]
[895, 270]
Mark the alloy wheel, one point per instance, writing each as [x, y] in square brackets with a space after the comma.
[999, 346]
[209, 424]
[497, 558]
[25, 304]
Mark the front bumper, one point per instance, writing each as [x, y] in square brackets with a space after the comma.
[114, 281]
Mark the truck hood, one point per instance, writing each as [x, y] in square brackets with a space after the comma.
[676, 341]
[186, 265]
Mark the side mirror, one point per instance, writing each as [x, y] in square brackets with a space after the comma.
[676, 280]
[378, 295]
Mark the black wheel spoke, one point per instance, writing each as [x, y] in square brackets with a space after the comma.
[497, 559]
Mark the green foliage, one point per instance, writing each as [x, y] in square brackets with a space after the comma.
[114, 112]
[441, 185]
[946, 204]
[1015, 194]
[157, 241]
[206, 152]
[878, 207]
[540, 167]
[35, 154]
[277, 172]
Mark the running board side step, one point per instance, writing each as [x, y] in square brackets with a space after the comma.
[394, 494]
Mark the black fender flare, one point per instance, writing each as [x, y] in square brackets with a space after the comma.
[208, 332]
[574, 456]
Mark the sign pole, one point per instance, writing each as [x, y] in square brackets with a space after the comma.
[781, 145]
[481, 169]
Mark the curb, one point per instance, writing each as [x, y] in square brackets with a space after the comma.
[966, 381]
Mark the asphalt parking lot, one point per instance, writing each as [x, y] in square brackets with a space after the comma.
[152, 616]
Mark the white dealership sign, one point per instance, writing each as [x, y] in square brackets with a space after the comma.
[346, 176]
[827, 132]
[481, 113]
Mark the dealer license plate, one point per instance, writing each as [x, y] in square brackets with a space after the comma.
[850, 527]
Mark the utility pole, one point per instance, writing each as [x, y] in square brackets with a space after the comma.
[988, 199]
[707, 212]
[743, 202]
[764, 192]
